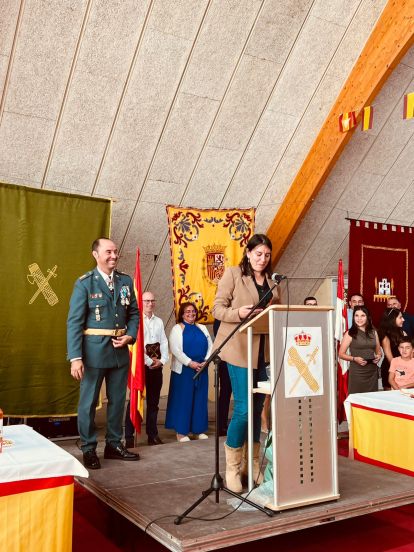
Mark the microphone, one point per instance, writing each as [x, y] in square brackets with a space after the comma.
[278, 277]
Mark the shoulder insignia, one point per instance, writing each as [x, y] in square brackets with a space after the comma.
[120, 272]
[87, 275]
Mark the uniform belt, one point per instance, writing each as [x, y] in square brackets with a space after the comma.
[92, 331]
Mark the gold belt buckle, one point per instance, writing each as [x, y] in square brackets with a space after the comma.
[118, 332]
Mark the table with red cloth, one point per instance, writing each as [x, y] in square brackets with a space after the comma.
[36, 493]
[381, 429]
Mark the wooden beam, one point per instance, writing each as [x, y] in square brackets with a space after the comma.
[390, 40]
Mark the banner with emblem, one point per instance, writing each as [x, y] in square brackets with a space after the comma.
[203, 243]
[45, 241]
[381, 265]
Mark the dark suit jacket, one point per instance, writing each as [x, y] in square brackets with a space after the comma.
[92, 291]
[408, 325]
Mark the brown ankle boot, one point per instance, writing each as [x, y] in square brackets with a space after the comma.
[233, 461]
[256, 465]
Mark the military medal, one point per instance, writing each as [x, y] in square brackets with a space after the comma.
[97, 313]
[125, 295]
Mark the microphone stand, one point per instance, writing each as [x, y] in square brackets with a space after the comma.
[217, 482]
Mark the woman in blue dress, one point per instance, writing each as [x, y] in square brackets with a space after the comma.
[190, 345]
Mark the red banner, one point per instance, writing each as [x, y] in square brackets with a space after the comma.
[380, 265]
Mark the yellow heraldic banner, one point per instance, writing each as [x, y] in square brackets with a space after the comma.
[203, 243]
[45, 243]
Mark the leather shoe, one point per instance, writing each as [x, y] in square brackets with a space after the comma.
[91, 461]
[222, 432]
[155, 441]
[119, 453]
[129, 443]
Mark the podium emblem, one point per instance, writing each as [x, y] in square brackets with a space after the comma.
[303, 362]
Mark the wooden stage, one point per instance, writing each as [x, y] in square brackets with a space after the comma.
[169, 478]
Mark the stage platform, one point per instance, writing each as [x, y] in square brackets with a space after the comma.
[169, 478]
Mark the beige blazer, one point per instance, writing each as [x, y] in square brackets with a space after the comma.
[235, 291]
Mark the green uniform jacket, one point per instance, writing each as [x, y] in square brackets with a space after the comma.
[90, 296]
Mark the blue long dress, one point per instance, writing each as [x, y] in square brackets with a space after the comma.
[187, 399]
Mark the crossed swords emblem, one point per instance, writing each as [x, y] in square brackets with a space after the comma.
[36, 276]
[294, 359]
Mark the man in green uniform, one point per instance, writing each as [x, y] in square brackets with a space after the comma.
[103, 319]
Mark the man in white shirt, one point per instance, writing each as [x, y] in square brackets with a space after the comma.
[156, 355]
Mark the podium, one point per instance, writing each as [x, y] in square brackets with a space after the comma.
[303, 407]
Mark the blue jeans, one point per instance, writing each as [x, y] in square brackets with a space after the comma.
[237, 432]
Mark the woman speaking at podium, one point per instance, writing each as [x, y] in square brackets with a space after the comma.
[240, 288]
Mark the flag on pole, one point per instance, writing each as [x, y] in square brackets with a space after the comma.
[136, 376]
[341, 326]
[408, 106]
[347, 121]
[367, 118]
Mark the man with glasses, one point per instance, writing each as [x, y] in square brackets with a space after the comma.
[156, 355]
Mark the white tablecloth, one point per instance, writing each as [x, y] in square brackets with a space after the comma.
[389, 401]
[34, 457]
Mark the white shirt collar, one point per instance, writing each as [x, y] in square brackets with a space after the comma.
[105, 276]
[148, 318]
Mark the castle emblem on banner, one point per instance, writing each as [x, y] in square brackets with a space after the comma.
[303, 339]
[383, 289]
[214, 263]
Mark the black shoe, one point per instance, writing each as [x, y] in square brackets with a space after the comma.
[91, 461]
[155, 441]
[129, 443]
[119, 453]
[222, 432]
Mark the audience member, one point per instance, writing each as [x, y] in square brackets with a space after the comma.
[190, 345]
[364, 345]
[408, 326]
[225, 390]
[401, 374]
[356, 300]
[155, 356]
[390, 334]
[311, 302]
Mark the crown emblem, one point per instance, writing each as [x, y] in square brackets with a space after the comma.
[302, 339]
[215, 249]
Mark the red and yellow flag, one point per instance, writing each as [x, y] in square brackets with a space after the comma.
[347, 121]
[409, 106]
[136, 377]
[367, 118]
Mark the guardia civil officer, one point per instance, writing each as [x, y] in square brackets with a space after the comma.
[103, 319]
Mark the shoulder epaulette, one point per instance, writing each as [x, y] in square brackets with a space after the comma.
[87, 275]
[120, 272]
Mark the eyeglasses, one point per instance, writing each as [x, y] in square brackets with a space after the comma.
[149, 301]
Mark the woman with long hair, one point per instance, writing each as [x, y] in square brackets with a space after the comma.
[390, 334]
[363, 343]
[240, 288]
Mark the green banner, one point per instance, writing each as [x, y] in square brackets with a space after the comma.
[45, 244]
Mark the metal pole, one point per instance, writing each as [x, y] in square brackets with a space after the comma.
[272, 344]
[332, 379]
[250, 405]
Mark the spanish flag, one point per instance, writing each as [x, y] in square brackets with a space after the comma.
[367, 118]
[136, 377]
[409, 106]
[347, 121]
